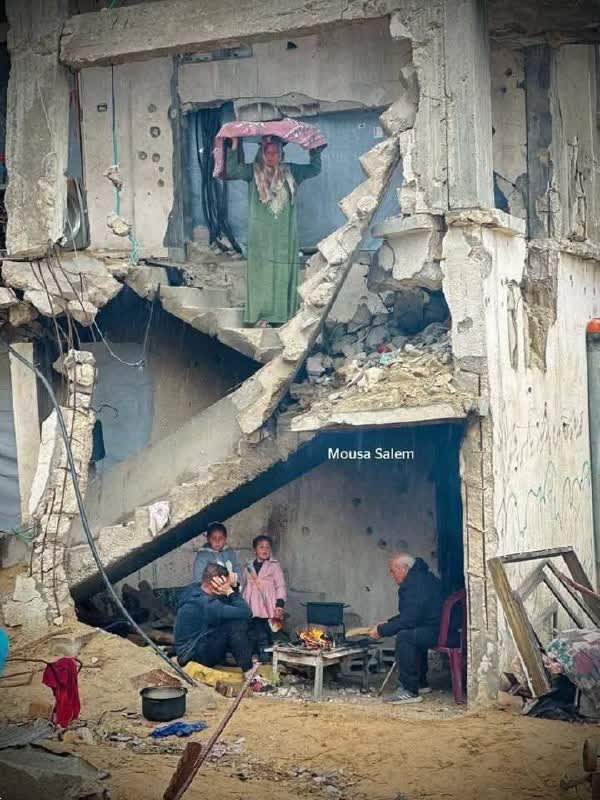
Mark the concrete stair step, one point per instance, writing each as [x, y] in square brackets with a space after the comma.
[206, 310]
[261, 344]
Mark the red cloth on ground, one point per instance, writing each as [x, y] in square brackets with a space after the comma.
[61, 677]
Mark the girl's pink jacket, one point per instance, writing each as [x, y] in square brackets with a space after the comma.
[263, 590]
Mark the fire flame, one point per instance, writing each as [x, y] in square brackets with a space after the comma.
[316, 638]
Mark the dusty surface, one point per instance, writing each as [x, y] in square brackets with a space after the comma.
[278, 747]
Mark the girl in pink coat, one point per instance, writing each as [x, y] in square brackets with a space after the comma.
[265, 593]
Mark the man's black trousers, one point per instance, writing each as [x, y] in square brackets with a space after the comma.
[231, 637]
[412, 645]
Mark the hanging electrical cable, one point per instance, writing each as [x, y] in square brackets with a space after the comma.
[84, 518]
[214, 193]
[133, 258]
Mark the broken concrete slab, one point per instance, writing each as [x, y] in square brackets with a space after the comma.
[317, 421]
[488, 218]
[7, 298]
[22, 314]
[401, 115]
[30, 771]
[77, 282]
[26, 608]
[411, 257]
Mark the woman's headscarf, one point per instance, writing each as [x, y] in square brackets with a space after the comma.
[271, 182]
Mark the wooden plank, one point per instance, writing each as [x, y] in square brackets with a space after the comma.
[532, 581]
[563, 603]
[579, 576]
[520, 628]
[532, 555]
[574, 594]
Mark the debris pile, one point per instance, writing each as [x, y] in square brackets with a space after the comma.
[407, 313]
[76, 285]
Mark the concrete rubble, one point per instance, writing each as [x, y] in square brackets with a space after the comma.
[76, 284]
[30, 772]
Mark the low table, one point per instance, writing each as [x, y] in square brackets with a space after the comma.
[319, 659]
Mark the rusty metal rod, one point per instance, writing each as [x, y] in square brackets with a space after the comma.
[202, 756]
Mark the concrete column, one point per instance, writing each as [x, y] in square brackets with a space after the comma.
[26, 421]
[593, 363]
[37, 126]
[468, 88]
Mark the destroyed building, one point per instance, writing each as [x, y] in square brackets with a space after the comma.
[451, 250]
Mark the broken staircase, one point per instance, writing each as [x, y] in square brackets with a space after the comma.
[215, 305]
[231, 454]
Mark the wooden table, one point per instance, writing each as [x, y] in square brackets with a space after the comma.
[319, 659]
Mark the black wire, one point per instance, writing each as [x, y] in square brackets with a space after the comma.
[214, 192]
[85, 522]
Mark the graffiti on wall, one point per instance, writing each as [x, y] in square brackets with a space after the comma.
[516, 445]
[558, 501]
[535, 511]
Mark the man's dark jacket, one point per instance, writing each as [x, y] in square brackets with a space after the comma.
[420, 601]
[200, 616]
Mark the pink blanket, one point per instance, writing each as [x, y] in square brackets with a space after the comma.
[289, 130]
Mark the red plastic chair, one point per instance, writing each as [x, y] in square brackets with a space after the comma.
[455, 654]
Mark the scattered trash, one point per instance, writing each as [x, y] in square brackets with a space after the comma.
[178, 729]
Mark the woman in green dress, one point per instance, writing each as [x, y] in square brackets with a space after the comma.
[272, 278]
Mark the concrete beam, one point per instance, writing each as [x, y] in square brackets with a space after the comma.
[26, 419]
[518, 23]
[167, 27]
[468, 87]
[413, 415]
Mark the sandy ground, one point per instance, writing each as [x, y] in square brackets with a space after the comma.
[372, 750]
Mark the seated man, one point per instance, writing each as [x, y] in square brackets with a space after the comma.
[212, 619]
[417, 624]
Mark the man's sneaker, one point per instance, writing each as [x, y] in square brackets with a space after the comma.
[425, 689]
[403, 695]
[259, 684]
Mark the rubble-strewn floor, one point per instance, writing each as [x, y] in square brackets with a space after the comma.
[291, 748]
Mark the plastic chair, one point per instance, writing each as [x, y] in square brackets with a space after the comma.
[455, 654]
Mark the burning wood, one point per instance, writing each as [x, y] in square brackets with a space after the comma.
[316, 638]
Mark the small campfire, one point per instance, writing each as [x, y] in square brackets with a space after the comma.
[316, 638]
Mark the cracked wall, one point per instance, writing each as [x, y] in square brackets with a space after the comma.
[539, 299]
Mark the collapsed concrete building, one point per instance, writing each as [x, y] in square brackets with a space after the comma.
[451, 268]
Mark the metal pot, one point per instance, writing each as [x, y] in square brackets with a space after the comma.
[327, 614]
[163, 703]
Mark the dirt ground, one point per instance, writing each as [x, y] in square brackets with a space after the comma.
[288, 749]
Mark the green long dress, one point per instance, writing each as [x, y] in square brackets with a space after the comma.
[272, 278]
